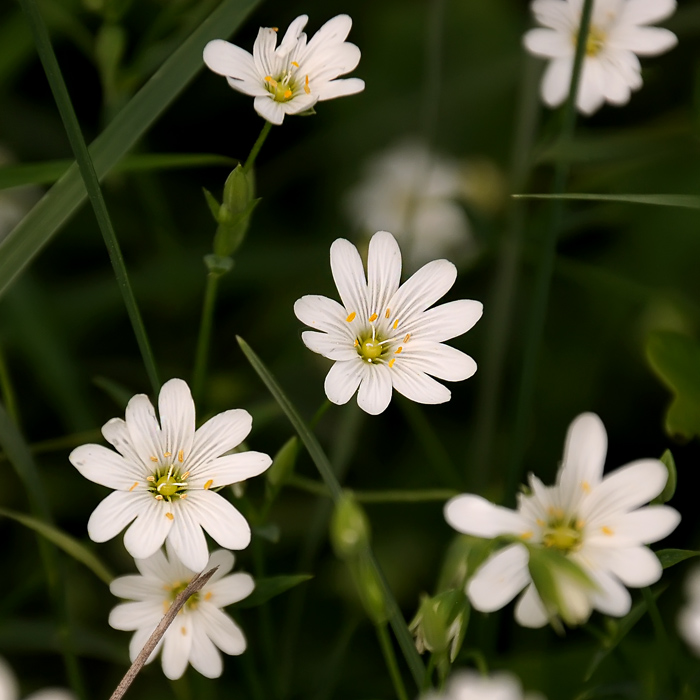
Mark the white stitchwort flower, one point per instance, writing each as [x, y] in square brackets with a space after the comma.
[385, 335]
[292, 77]
[616, 36]
[469, 685]
[595, 521]
[689, 615]
[163, 476]
[9, 688]
[199, 628]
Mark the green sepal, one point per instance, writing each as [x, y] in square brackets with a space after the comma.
[369, 588]
[670, 488]
[212, 203]
[306, 113]
[441, 623]
[218, 264]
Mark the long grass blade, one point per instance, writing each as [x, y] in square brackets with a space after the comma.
[684, 201]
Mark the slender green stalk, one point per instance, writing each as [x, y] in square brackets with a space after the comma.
[89, 176]
[667, 664]
[543, 278]
[7, 392]
[432, 86]
[57, 444]
[250, 160]
[390, 658]
[432, 663]
[204, 338]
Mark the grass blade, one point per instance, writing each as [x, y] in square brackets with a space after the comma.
[684, 201]
[20, 247]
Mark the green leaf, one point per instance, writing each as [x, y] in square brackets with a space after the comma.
[68, 544]
[667, 494]
[20, 247]
[675, 359]
[684, 201]
[267, 588]
[671, 557]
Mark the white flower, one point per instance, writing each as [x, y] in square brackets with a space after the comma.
[199, 628]
[469, 685]
[292, 77]
[163, 477]
[689, 615]
[9, 689]
[386, 336]
[617, 35]
[596, 521]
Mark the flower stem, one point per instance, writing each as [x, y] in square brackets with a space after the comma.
[390, 658]
[204, 338]
[543, 277]
[7, 393]
[92, 184]
[250, 160]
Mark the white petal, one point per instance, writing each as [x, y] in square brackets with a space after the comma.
[217, 436]
[301, 102]
[148, 532]
[548, 43]
[136, 587]
[383, 271]
[554, 14]
[529, 610]
[221, 629]
[114, 513]
[340, 88]
[177, 643]
[647, 11]
[611, 598]
[332, 346]
[334, 32]
[255, 89]
[219, 518]
[9, 689]
[500, 579]
[116, 432]
[231, 469]
[422, 290]
[51, 694]
[230, 589]
[349, 277]
[106, 467]
[642, 526]
[644, 41]
[617, 89]
[291, 36]
[269, 109]
[138, 642]
[176, 409]
[625, 489]
[204, 656]
[447, 321]
[635, 566]
[323, 314]
[143, 428]
[224, 560]
[186, 537]
[418, 386]
[591, 88]
[156, 568]
[474, 515]
[438, 360]
[230, 60]
[556, 81]
[374, 394]
[131, 616]
[343, 379]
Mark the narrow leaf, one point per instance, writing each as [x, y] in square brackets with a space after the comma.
[667, 494]
[267, 588]
[685, 201]
[671, 557]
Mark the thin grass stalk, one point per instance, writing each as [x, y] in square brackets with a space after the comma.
[543, 280]
[250, 160]
[92, 184]
[390, 659]
[204, 338]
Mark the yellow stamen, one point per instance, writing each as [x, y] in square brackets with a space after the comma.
[207, 595]
[208, 484]
[351, 317]
[159, 497]
[526, 535]
[388, 313]
[274, 29]
[391, 361]
[167, 454]
[607, 531]
[295, 64]
[287, 94]
[399, 349]
[269, 79]
[169, 516]
[185, 475]
[307, 89]
[396, 324]
[580, 524]
[184, 631]
[406, 337]
[181, 456]
[356, 343]
[183, 495]
[586, 486]
[373, 318]
[154, 459]
[136, 483]
[150, 478]
[540, 522]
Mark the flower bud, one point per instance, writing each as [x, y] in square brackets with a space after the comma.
[350, 531]
[370, 588]
[441, 623]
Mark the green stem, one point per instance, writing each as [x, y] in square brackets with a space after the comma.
[543, 279]
[250, 160]
[92, 185]
[56, 444]
[204, 338]
[427, 684]
[390, 658]
[8, 394]
[667, 657]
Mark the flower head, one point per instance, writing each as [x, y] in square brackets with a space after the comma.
[292, 77]
[594, 521]
[469, 685]
[385, 335]
[200, 626]
[9, 689]
[163, 476]
[616, 36]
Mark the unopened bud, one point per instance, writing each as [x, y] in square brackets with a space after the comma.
[235, 212]
[441, 623]
[350, 531]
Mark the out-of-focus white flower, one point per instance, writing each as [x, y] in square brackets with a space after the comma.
[9, 689]
[292, 77]
[689, 615]
[595, 521]
[617, 35]
[163, 476]
[385, 335]
[200, 629]
[469, 685]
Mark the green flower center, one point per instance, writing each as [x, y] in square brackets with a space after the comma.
[595, 41]
[562, 533]
[175, 590]
[285, 86]
[371, 349]
[168, 483]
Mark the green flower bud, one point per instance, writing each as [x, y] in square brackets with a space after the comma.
[370, 589]
[441, 623]
[350, 531]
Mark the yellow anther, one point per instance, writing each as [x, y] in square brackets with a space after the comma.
[167, 454]
[526, 535]
[295, 64]
[586, 486]
[356, 343]
[136, 483]
[388, 313]
[207, 595]
[181, 456]
[269, 79]
[580, 524]
[406, 337]
[169, 516]
[351, 317]
[399, 349]
[396, 324]
[150, 478]
[307, 89]
[184, 631]
[287, 94]
[208, 484]
[185, 475]
[159, 497]
[540, 522]
[391, 361]
[183, 495]
[274, 29]
[373, 318]
[154, 459]
[607, 531]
